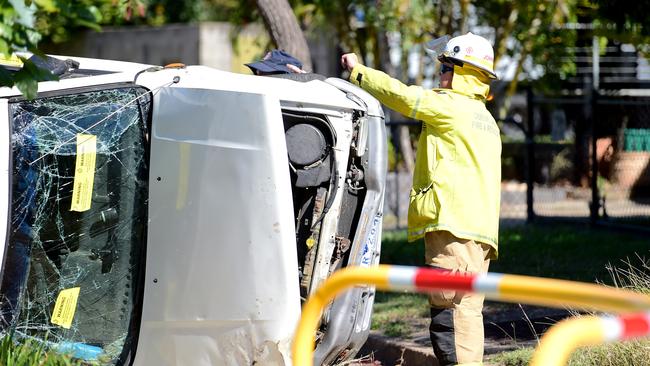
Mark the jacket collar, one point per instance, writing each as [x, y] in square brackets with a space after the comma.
[470, 82]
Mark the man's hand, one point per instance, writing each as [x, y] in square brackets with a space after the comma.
[349, 60]
[295, 69]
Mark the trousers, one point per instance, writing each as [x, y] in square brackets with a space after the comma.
[456, 328]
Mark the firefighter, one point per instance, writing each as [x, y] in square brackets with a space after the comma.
[454, 202]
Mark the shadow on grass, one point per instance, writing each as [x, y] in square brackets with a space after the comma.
[571, 252]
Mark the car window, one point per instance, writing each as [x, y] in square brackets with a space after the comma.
[72, 270]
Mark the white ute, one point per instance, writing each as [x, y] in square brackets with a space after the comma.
[180, 216]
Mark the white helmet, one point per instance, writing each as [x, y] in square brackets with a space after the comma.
[466, 49]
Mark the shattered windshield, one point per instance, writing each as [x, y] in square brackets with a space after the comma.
[72, 268]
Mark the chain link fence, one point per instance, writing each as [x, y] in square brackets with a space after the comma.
[579, 157]
[590, 158]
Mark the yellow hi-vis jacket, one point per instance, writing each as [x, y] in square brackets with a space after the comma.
[457, 177]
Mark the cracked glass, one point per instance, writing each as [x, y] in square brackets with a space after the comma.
[53, 251]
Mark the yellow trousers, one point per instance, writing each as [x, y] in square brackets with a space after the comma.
[456, 328]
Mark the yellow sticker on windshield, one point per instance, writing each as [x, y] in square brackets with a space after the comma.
[11, 60]
[84, 174]
[65, 306]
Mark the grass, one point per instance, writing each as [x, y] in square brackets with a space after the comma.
[394, 312]
[570, 252]
[29, 353]
[519, 357]
[632, 274]
[567, 252]
[615, 354]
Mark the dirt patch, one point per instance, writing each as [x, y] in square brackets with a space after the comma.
[507, 327]
[513, 326]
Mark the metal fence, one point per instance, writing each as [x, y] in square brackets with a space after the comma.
[594, 160]
[582, 157]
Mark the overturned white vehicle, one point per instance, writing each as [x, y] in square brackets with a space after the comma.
[181, 215]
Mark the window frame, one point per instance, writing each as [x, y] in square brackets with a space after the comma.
[127, 355]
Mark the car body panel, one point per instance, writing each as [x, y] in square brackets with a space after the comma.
[219, 285]
[221, 276]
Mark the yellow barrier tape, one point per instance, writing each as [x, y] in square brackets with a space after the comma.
[563, 338]
[84, 177]
[305, 337]
[65, 306]
[562, 293]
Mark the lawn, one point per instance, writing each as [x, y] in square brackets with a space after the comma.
[569, 252]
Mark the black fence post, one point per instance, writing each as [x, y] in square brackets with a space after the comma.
[595, 195]
[530, 155]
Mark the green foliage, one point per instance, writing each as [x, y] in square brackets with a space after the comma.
[23, 24]
[30, 353]
[616, 354]
[396, 250]
[361, 26]
[626, 23]
[160, 12]
[633, 275]
[534, 31]
[518, 357]
[562, 166]
[17, 33]
[557, 251]
[560, 251]
[393, 311]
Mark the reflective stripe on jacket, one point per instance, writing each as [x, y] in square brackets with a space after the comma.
[457, 176]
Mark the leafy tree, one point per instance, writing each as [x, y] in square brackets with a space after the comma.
[26, 23]
[367, 27]
[23, 24]
[624, 21]
[19, 34]
[534, 36]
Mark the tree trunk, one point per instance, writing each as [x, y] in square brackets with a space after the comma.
[283, 27]
[406, 148]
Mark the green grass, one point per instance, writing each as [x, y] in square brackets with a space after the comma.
[614, 354]
[29, 353]
[559, 251]
[519, 357]
[393, 312]
[570, 252]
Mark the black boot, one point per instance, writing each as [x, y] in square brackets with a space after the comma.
[441, 332]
